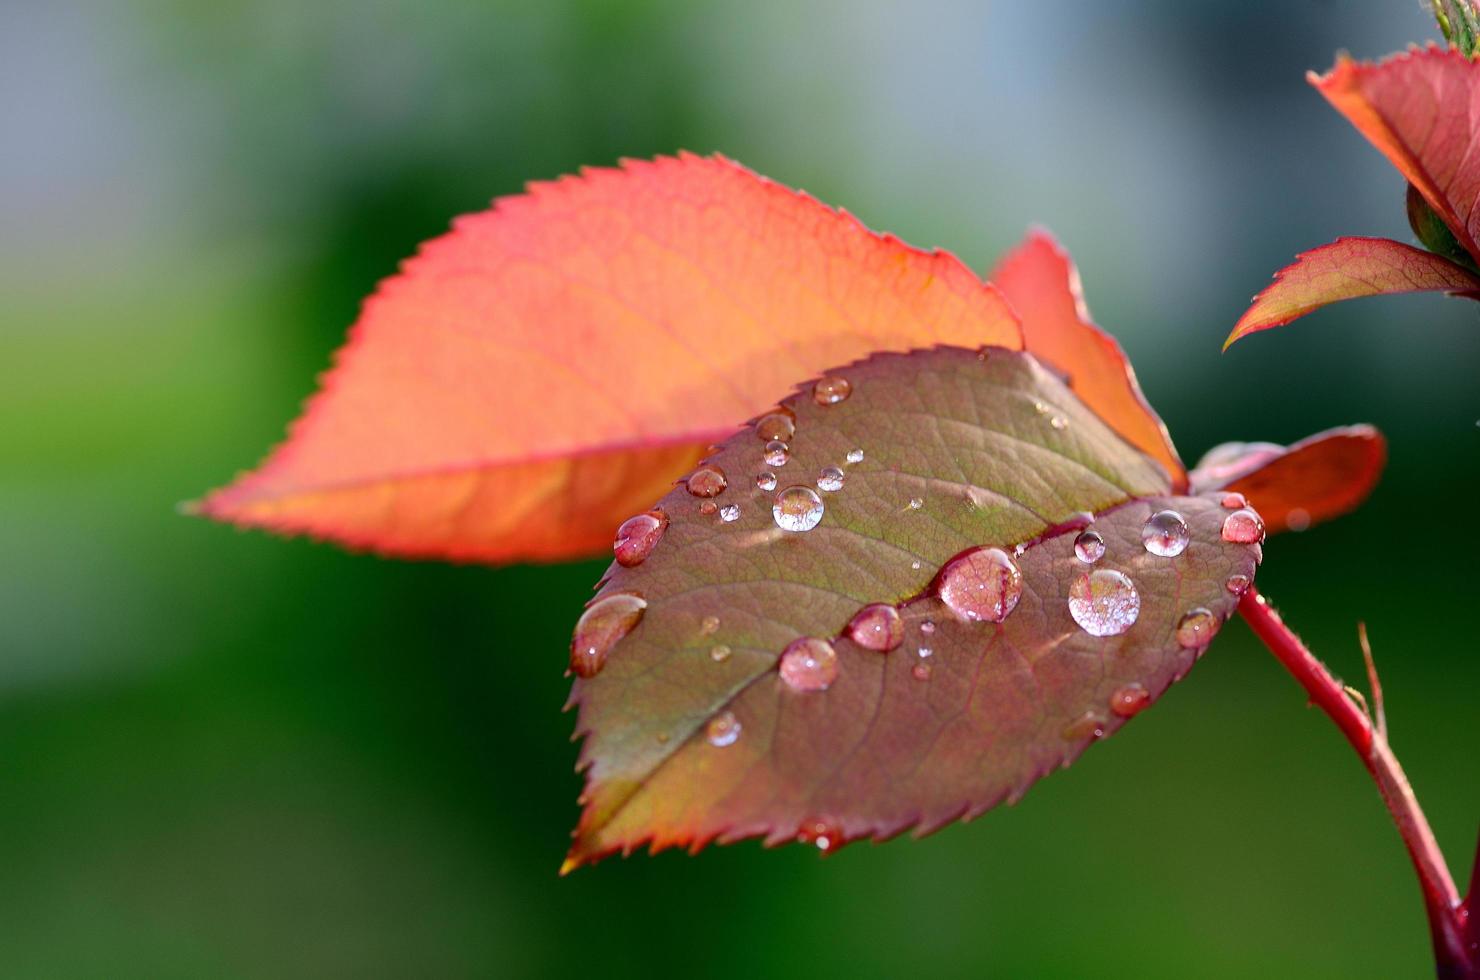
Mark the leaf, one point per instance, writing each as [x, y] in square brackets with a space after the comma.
[553, 363]
[1316, 479]
[1418, 109]
[691, 734]
[1349, 268]
[1040, 281]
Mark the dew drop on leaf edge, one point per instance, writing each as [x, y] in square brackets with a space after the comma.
[1130, 700]
[637, 536]
[775, 426]
[600, 628]
[1196, 628]
[831, 390]
[707, 481]
[1243, 526]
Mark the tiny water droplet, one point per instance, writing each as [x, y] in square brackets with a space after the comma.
[708, 625]
[1129, 700]
[983, 584]
[831, 390]
[1243, 526]
[921, 671]
[1196, 629]
[809, 664]
[915, 565]
[830, 479]
[797, 509]
[708, 507]
[777, 453]
[765, 481]
[707, 481]
[637, 537]
[927, 627]
[723, 729]
[877, 627]
[824, 835]
[662, 738]
[600, 628]
[1104, 602]
[925, 652]
[1059, 422]
[729, 513]
[855, 455]
[1040, 408]
[916, 503]
[775, 426]
[1089, 547]
[1237, 584]
[1165, 534]
[719, 653]
[1088, 725]
[1233, 501]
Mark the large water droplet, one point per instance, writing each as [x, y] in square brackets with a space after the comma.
[855, 455]
[1129, 700]
[830, 479]
[707, 481]
[729, 513]
[766, 481]
[637, 537]
[797, 509]
[723, 729]
[775, 425]
[600, 627]
[809, 664]
[983, 584]
[831, 390]
[1089, 547]
[777, 453]
[877, 627]
[1233, 501]
[1196, 629]
[1237, 584]
[1165, 534]
[1243, 526]
[1104, 602]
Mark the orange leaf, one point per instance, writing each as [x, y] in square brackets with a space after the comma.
[1316, 479]
[1040, 281]
[551, 365]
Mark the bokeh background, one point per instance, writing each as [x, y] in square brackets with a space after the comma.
[228, 755]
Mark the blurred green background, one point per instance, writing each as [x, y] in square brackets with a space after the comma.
[224, 754]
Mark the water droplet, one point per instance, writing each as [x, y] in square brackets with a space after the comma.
[1089, 547]
[637, 537]
[599, 629]
[877, 627]
[1196, 629]
[797, 509]
[708, 625]
[708, 507]
[1104, 602]
[707, 481]
[1297, 519]
[830, 479]
[777, 425]
[822, 834]
[855, 455]
[1020, 549]
[1237, 584]
[983, 584]
[1059, 422]
[1243, 526]
[925, 652]
[1040, 408]
[809, 664]
[921, 671]
[1165, 534]
[916, 503]
[927, 627]
[915, 565]
[729, 513]
[765, 481]
[777, 453]
[723, 729]
[1233, 501]
[831, 390]
[719, 653]
[1088, 725]
[1129, 700]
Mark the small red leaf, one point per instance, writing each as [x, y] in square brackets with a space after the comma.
[1040, 281]
[1316, 479]
[1349, 268]
[548, 367]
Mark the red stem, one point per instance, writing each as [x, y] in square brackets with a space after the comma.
[1455, 949]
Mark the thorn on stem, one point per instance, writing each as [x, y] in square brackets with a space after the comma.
[1381, 715]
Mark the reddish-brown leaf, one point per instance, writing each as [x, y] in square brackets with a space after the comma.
[1316, 479]
[1350, 268]
[692, 734]
[550, 366]
[1040, 281]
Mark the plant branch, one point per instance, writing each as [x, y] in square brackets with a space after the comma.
[1454, 950]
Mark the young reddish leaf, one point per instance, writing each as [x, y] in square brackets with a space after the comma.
[1418, 109]
[549, 366]
[699, 729]
[1316, 479]
[1040, 281]
[1349, 268]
